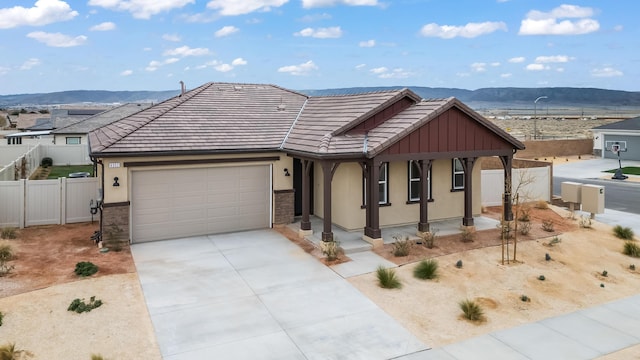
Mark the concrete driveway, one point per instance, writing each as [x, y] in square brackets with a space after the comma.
[256, 295]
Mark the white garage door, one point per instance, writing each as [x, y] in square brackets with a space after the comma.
[168, 204]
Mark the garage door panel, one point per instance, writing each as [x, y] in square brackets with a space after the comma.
[179, 203]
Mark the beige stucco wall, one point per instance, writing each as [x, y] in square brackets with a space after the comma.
[122, 193]
[347, 196]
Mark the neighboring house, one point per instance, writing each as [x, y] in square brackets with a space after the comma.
[76, 132]
[29, 137]
[624, 134]
[230, 157]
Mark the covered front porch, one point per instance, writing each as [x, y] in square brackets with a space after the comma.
[352, 242]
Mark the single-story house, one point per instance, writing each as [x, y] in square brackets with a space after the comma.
[624, 135]
[228, 157]
[76, 132]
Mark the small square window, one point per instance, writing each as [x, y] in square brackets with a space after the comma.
[383, 186]
[73, 140]
[457, 175]
[414, 182]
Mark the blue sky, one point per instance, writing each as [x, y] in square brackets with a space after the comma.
[56, 45]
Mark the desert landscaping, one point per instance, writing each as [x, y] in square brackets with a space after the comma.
[42, 285]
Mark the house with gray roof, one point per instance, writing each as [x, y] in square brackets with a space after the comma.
[623, 135]
[229, 157]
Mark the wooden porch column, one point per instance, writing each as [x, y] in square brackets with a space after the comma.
[305, 223]
[328, 169]
[372, 228]
[467, 166]
[507, 164]
[424, 166]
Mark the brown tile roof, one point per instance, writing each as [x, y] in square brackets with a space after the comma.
[213, 117]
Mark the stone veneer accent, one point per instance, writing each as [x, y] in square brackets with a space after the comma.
[115, 225]
[284, 206]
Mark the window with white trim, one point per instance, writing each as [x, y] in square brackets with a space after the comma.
[73, 140]
[383, 186]
[457, 176]
[414, 182]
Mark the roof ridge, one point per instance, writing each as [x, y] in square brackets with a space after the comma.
[362, 93]
[92, 116]
[179, 99]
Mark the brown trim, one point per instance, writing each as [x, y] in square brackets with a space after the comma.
[410, 202]
[286, 191]
[199, 161]
[444, 155]
[99, 154]
[381, 205]
[123, 203]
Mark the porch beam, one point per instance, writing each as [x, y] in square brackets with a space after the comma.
[328, 169]
[424, 167]
[467, 166]
[372, 229]
[305, 223]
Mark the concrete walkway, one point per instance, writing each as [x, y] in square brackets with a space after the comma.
[256, 295]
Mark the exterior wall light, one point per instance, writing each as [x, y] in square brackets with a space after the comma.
[286, 172]
[115, 181]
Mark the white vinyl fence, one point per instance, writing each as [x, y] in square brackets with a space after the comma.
[26, 203]
[21, 161]
[531, 183]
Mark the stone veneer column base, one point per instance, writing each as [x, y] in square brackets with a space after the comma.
[375, 243]
[115, 225]
[303, 233]
[284, 206]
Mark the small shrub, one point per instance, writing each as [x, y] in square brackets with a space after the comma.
[631, 249]
[459, 264]
[331, 249]
[9, 352]
[46, 162]
[524, 214]
[524, 228]
[542, 204]
[8, 233]
[429, 238]
[467, 234]
[426, 270]
[97, 357]
[525, 298]
[601, 285]
[401, 247]
[387, 278]
[547, 257]
[605, 273]
[471, 310]
[632, 267]
[80, 306]
[542, 278]
[624, 233]
[585, 222]
[547, 225]
[6, 255]
[554, 241]
[1, 317]
[85, 268]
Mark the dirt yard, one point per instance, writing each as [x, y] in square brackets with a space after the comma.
[35, 296]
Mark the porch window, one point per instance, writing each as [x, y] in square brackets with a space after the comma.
[457, 175]
[414, 182]
[73, 140]
[383, 186]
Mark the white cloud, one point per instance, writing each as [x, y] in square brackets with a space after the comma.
[618, 28]
[186, 51]
[321, 33]
[302, 69]
[379, 70]
[153, 65]
[226, 31]
[42, 13]
[479, 67]
[516, 60]
[171, 60]
[397, 73]
[238, 62]
[29, 64]
[141, 9]
[495, 64]
[315, 17]
[126, 73]
[320, 3]
[553, 59]
[563, 20]
[505, 75]
[4, 70]
[57, 39]
[537, 67]
[224, 68]
[237, 7]
[470, 30]
[171, 37]
[368, 43]
[606, 72]
[361, 66]
[105, 26]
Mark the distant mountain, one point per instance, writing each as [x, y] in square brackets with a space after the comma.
[486, 97]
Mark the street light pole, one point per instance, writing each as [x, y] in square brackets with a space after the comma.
[535, 116]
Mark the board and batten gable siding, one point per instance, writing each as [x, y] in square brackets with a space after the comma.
[45, 202]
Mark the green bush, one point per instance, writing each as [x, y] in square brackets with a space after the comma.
[1, 317]
[426, 270]
[525, 298]
[9, 352]
[85, 268]
[97, 357]
[6, 255]
[8, 233]
[401, 247]
[631, 248]
[466, 234]
[46, 162]
[387, 278]
[542, 278]
[331, 249]
[547, 225]
[459, 264]
[80, 306]
[471, 310]
[624, 233]
[429, 238]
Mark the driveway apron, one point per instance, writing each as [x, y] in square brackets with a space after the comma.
[256, 295]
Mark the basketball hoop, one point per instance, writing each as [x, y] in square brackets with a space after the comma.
[615, 148]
